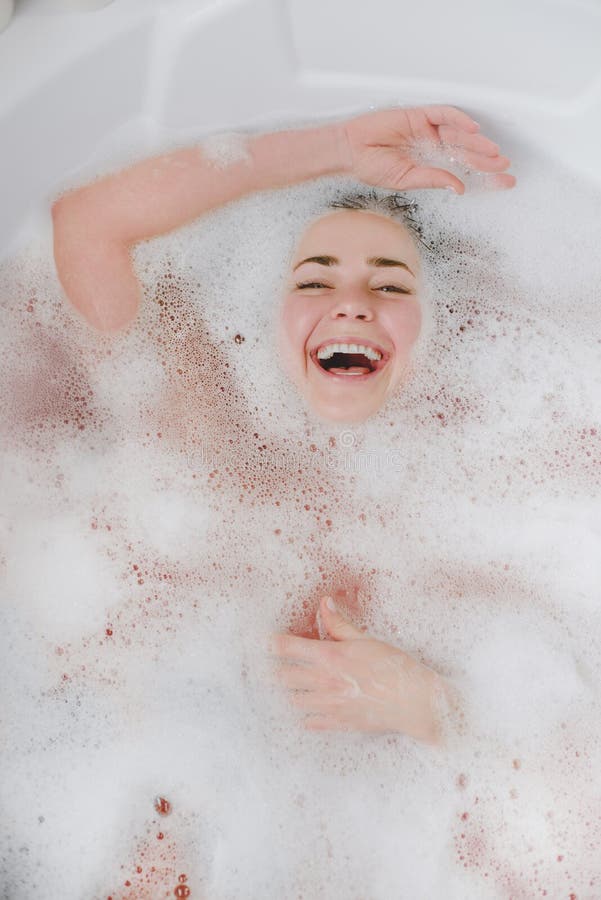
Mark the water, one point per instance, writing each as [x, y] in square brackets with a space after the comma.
[168, 503]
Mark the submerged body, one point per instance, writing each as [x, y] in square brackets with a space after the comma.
[190, 517]
[95, 227]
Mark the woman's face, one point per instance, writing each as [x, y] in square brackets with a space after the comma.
[351, 313]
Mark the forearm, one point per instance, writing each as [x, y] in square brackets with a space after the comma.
[94, 223]
[95, 226]
[160, 194]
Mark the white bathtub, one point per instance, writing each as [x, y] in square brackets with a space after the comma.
[530, 72]
[67, 80]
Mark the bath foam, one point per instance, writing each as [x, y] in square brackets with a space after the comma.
[225, 148]
[176, 475]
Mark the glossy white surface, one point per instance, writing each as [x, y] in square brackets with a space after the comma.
[70, 79]
[6, 10]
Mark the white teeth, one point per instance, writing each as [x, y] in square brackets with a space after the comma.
[328, 350]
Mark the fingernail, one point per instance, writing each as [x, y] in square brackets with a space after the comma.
[449, 187]
[330, 604]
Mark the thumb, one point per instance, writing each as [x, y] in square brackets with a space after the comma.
[336, 624]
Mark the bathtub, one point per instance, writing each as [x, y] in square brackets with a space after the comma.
[76, 85]
[70, 79]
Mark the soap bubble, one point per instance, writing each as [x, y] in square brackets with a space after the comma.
[168, 502]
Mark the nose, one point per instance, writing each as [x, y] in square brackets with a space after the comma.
[352, 306]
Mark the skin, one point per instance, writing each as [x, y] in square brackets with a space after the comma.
[96, 226]
[353, 682]
[353, 299]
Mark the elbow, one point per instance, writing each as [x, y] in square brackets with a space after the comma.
[64, 210]
[67, 231]
[57, 210]
[110, 318]
[93, 266]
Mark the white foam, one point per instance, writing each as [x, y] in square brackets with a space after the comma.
[148, 555]
[225, 148]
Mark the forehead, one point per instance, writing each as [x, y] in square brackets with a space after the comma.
[347, 233]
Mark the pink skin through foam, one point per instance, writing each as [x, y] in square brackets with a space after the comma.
[344, 289]
[353, 299]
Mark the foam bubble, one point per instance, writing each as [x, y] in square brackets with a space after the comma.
[225, 148]
[169, 503]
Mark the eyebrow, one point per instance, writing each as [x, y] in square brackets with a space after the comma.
[372, 261]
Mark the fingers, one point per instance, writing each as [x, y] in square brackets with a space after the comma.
[423, 177]
[313, 702]
[338, 625]
[322, 711]
[501, 182]
[458, 132]
[297, 677]
[453, 137]
[297, 648]
[450, 115]
[484, 163]
[484, 181]
[419, 177]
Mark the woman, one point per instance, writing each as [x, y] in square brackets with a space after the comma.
[349, 321]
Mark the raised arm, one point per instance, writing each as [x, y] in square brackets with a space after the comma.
[96, 226]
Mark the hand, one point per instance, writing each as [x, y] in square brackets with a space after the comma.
[384, 148]
[357, 683]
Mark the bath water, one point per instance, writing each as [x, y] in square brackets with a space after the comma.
[168, 503]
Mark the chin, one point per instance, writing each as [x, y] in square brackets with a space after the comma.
[340, 416]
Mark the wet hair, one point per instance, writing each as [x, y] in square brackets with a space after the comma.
[396, 206]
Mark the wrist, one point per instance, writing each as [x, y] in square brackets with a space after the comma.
[447, 712]
[426, 721]
[289, 157]
[340, 137]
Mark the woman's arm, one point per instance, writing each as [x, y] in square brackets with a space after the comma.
[95, 226]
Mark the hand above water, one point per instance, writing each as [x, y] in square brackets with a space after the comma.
[385, 148]
[357, 683]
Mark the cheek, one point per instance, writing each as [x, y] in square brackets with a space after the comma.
[404, 327]
[298, 319]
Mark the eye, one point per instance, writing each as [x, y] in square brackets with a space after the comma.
[393, 289]
[311, 284]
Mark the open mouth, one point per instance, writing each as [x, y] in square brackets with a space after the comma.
[349, 360]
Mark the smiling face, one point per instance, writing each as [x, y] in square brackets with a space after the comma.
[351, 313]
